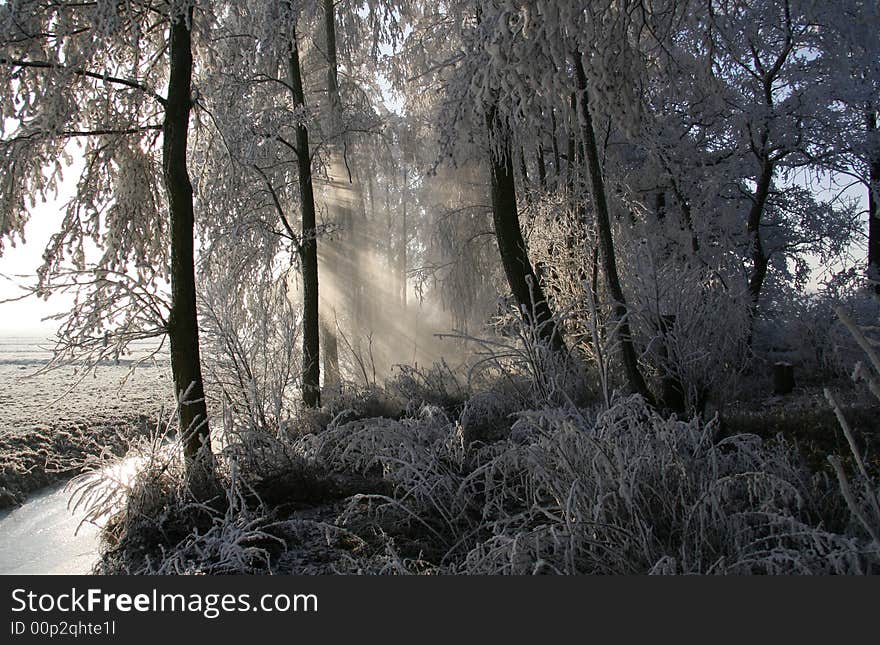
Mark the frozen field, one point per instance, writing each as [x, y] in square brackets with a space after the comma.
[50, 421]
[28, 397]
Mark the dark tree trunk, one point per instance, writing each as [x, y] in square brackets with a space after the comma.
[521, 276]
[311, 391]
[606, 241]
[874, 206]
[571, 162]
[542, 167]
[332, 61]
[557, 160]
[760, 260]
[557, 180]
[183, 328]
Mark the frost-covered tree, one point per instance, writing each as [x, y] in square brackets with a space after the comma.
[475, 127]
[111, 83]
[760, 54]
[848, 71]
[517, 65]
[259, 166]
[687, 129]
[638, 166]
[257, 110]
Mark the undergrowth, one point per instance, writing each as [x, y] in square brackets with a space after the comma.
[432, 476]
[565, 490]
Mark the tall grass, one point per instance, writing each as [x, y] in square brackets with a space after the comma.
[495, 483]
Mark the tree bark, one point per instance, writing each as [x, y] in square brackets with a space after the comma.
[572, 150]
[518, 268]
[606, 241]
[557, 160]
[542, 167]
[332, 60]
[760, 260]
[183, 328]
[311, 390]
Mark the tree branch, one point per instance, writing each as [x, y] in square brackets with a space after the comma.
[136, 85]
[280, 210]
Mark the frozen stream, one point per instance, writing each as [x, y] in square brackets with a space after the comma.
[44, 536]
[41, 536]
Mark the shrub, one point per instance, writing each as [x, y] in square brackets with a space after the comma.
[631, 492]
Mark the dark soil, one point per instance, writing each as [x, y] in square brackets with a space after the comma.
[34, 457]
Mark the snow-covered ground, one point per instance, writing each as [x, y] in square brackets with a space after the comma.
[29, 397]
[49, 421]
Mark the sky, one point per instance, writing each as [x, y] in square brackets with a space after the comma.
[18, 265]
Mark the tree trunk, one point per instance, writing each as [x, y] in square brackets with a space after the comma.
[572, 150]
[606, 241]
[874, 206]
[183, 328]
[557, 160]
[521, 276]
[311, 390]
[760, 260]
[542, 167]
[332, 61]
